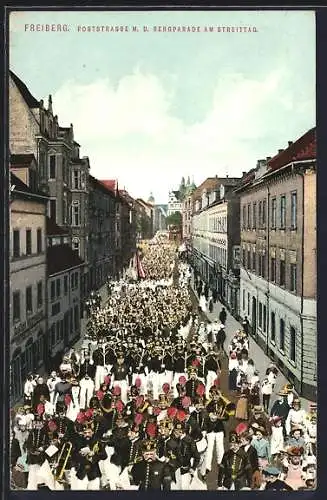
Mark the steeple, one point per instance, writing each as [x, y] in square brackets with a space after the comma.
[151, 199]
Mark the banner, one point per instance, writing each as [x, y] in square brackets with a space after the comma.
[140, 270]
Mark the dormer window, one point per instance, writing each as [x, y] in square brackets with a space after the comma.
[222, 192]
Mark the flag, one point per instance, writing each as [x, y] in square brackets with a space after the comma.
[139, 267]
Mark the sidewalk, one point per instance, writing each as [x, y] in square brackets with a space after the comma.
[261, 360]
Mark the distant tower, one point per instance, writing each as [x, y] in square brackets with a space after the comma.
[151, 199]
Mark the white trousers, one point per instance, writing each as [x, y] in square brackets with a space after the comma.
[144, 382]
[83, 484]
[211, 377]
[39, 474]
[100, 373]
[155, 381]
[124, 389]
[167, 378]
[86, 393]
[213, 438]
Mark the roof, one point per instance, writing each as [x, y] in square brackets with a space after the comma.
[149, 205]
[61, 258]
[100, 185]
[209, 184]
[177, 194]
[23, 160]
[23, 188]
[302, 149]
[52, 229]
[28, 97]
[111, 184]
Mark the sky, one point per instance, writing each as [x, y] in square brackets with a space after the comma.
[151, 107]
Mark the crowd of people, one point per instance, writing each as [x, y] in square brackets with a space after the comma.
[140, 405]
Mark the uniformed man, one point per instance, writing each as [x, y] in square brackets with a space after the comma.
[235, 469]
[150, 473]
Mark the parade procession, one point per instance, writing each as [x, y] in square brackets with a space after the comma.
[153, 399]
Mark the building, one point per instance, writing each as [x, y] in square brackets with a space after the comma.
[174, 202]
[28, 312]
[278, 267]
[103, 239]
[187, 212]
[128, 227]
[64, 299]
[159, 218]
[145, 219]
[216, 237]
[61, 174]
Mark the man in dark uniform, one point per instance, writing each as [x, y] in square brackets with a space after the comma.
[223, 316]
[193, 383]
[88, 451]
[235, 468]
[36, 444]
[150, 473]
[120, 372]
[189, 456]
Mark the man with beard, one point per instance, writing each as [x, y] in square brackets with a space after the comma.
[150, 473]
[89, 450]
[235, 469]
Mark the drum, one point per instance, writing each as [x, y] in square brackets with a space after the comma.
[202, 445]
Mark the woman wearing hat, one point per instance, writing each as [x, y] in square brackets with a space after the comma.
[296, 417]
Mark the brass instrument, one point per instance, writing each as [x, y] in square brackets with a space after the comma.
[62, 460]
[227, 409]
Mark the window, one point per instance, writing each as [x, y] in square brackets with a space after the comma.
[28, 242]
[53, 290]
[55, 309]
[262, 270]
[74, 281]
[244, 217]
[273, 269]
[282, 334]
[292, 344]
[264, 319]
[53, 210]
[293, 283]
[273, 213]
[248, 304]
[75, 245]
[260, 214]
[249, 216]
[58, 287]
[65, 285]
[294, 210]
[52, 169]
[16, 243]
[39, 294]
[53, 334]
[16, 305]
[76, 179]
[75, 213]
[32, 180]
[254, 267]
[248, 266]
[29, 300]
[282, 212]
[243, 300]
[39, 240]
[282, 273]
[264, 210]
[254, 216]
[260, 315]
[273, 327]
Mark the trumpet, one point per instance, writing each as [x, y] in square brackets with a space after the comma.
[62, 460]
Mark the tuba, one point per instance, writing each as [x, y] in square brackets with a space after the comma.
[62, 461]
[225, 407]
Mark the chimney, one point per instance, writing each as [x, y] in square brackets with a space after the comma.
[280, 151]
[268, 158]
[261, 163]
[290, 143]
[50, 103]
[243, 174]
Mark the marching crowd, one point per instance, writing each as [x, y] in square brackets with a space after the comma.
[140, 405]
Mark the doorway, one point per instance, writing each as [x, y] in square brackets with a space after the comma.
[254, 317]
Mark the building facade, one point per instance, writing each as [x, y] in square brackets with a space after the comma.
[174, 202]
[216, 238]
[28, 308]
[103, 238]
[278, 263]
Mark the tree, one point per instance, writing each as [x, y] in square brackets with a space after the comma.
[174, 219]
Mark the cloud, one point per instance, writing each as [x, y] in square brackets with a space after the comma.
[129, 131]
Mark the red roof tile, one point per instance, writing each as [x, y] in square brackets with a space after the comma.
[111, 184]
[302, 149]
